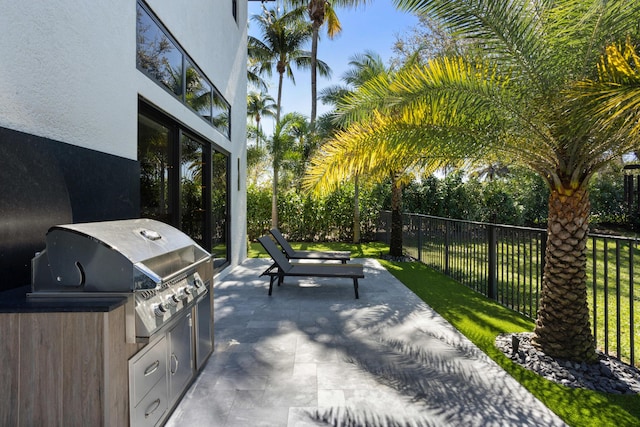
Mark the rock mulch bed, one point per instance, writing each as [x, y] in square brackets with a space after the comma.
[608, 375]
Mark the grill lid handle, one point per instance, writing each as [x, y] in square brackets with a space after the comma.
[150, 234]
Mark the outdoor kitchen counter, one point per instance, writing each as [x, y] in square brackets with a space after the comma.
[65, 361]
[16, 301]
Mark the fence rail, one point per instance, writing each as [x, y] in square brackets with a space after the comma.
[505, 263]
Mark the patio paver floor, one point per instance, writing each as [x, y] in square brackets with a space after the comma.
[312, 355]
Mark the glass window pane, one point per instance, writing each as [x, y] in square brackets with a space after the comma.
[221, 113]
[198, 92]
[219, 208]
[156, 54]
[155, 166]
[192, 190]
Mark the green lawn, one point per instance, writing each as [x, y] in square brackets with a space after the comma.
[365, 250]
[519, 281]
[481, 320]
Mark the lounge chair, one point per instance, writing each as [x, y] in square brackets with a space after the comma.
[292, 254]
[282, 268]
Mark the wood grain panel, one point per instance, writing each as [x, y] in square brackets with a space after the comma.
[83, 369]
[65, 369]
[10, 356]
[117, 353]
[40, 369]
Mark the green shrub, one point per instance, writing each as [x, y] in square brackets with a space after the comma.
[258, 211]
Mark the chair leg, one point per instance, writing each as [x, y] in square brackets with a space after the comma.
[355, 287]
[271, 278]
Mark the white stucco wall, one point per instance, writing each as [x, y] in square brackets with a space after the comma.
[68, 73]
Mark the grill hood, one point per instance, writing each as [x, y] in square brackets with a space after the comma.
[114, 256]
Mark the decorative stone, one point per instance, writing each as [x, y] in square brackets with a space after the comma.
[609, 375]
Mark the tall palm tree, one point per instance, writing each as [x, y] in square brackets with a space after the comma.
[519, 96]
[285, 147]
[259, 105]
[283, 36]
[322, 12]
[364, 67]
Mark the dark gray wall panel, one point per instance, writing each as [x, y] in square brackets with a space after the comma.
[44, 183]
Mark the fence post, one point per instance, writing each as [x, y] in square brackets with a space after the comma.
[420, 238]
[492, 290]
[447, 228]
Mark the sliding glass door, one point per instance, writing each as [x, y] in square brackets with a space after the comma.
[184, 182]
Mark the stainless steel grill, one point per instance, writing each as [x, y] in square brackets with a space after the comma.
[161, 269]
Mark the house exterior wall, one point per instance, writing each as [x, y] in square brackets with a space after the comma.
[69, 93]
[68, 72]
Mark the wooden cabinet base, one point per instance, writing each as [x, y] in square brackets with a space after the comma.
[67, 368]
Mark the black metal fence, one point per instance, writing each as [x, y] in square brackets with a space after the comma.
[505, 263]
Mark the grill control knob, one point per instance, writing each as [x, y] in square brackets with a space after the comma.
[198, 282]
[176, 298]
[187, 290]
[159, 310]
[172, 301]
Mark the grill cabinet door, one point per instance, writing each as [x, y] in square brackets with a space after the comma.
[204, 343]
[180, 357]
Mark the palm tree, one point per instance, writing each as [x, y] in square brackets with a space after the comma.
[615, 94]
[260, 105]
[519, 96]
[364, 67]
[281, 46]
[321, 12]
[283, 36]
[285, 147]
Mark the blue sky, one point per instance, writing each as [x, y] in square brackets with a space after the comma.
[372, 27]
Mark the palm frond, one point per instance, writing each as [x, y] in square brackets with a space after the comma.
[508, 31]
[613, 100]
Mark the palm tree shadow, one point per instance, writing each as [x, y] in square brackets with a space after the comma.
[441, 375]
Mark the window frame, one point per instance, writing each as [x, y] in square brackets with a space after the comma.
[176, 133]
[186, 60]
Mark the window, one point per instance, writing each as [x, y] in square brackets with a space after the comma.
[184, 182]
[156, 170]
[157, 55]
[234, 9]
[198, 93]
[219, 209]
[221, 113]
[193, 196]
[161, 58]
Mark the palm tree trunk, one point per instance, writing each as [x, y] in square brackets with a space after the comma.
[280, 80]
[258, 131]
[274, 198]
[395, 245]
[314, 74]
[316, 15]
[562, 327]
[356, 212]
